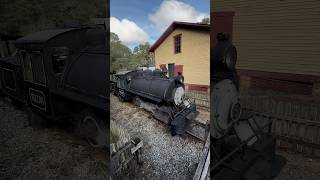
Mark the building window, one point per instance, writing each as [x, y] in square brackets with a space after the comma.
[177, 43]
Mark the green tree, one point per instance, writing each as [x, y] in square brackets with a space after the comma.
[205, 20]
[122, 58]
[120, 54]
[141, 55]
[21, 17]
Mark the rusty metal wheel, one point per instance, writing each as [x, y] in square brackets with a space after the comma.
[93, 129]
[137, 101]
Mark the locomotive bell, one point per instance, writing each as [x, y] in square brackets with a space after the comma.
[157, 73]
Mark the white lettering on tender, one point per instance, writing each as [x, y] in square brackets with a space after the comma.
[37, 99]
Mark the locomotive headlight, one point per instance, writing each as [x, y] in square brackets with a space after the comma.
[224, 54]
[230, 58]
[178, 95]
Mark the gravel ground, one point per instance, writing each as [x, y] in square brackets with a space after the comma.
[50, 153]
[54, 153]
[299, 167]
[164, 156]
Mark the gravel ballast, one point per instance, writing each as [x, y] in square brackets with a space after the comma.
[163, 156]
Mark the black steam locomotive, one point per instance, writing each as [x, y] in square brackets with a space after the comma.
[167, 93]
[61, 75]
[243, 146]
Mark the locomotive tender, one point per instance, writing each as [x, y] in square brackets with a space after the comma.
[11, 79]
[61, 75]
[167, 94]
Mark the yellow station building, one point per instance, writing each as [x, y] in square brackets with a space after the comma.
[185, 47]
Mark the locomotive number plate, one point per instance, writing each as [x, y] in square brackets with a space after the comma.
[37, 99]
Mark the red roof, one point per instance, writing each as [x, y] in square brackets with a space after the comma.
[182, 25]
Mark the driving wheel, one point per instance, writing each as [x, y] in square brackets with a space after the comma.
[93, 129]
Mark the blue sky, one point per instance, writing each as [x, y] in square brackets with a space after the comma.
[137, 21]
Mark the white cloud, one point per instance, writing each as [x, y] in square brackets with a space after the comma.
[128, 31]
[174, 10]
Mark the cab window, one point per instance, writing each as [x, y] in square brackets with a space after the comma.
[27, 68]
[59, 58]
[9, 81]
[33, 68]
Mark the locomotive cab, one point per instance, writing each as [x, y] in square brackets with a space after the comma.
[39, 53]
[65, 77]
[122, 79]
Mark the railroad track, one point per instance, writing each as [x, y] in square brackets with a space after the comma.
[197, 129]
[203, 168]
[296, 131]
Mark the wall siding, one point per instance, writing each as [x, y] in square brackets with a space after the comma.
[275, 36]
[194, 56]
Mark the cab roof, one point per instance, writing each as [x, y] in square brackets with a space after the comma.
[93, 39]
[43, 36]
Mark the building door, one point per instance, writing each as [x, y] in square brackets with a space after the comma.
[178, 68]
[171, 70]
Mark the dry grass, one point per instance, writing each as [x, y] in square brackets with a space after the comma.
[52, 153]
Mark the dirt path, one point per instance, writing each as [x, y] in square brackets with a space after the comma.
[51, 153]
[164, 156]
[299, 167]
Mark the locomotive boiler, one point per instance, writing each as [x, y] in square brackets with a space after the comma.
[158, 89]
